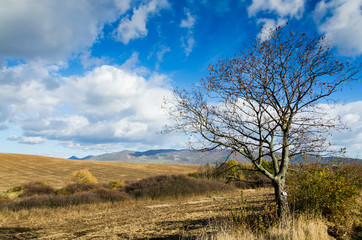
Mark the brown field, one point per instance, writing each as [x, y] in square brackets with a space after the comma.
[188, 218]
[198, 218]
[17, 169]
[208, 216]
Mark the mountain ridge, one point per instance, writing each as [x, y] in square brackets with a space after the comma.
[192, 157]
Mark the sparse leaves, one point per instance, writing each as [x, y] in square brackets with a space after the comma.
[263, 102]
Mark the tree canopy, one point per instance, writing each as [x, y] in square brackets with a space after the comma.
[264, 102]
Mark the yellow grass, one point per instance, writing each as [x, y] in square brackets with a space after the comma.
[186, 218]
[300, 228]
[17, 169]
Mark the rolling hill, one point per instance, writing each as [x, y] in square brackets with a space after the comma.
[169, 156]
[17, 169]
[194, 157]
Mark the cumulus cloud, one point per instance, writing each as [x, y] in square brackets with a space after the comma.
[340, 21]
[109, 104]
[27, 140]
[188, 41]
[283, 8]
[268, 24]
[351, 116]
[53, 30]
[135, 26]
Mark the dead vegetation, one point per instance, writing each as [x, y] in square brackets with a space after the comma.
[177, 207]
[198, 217]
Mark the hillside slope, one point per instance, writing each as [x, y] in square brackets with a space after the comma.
[194, 157]
[17, 169]
[169, 156]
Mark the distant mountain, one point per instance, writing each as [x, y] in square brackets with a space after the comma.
[191, 157]
[84, 158]
[169, 156]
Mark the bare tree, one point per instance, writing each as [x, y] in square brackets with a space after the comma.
[263, 102]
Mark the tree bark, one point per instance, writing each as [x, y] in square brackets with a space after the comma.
[281, 199]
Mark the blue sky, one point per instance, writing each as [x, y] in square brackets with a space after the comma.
[82, 77]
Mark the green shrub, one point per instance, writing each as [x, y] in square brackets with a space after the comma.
[172, 186]
[82, 176]
[324, 189]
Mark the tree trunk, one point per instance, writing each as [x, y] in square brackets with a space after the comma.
[281, 201]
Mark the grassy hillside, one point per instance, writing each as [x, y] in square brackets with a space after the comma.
[17, 169]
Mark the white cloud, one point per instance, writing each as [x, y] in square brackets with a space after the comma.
[188, 41]
[189, 22]
[135, 27]
[351, 116]
[188, 44]
[107, 105]
[268, 25]
[340, 21]
[283, 8]
[53, 30]
[27, 140]
[159, 55]
[24, 93]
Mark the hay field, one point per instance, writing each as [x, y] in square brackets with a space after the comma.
[184, 218]
[17, 169]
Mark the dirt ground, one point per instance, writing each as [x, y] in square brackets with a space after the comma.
[167, 219]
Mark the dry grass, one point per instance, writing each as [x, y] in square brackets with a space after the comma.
[18, 169]
[186, 218]
[300, 228]
[133, 219]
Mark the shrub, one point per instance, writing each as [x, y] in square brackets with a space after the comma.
[36, 188]
[172, 186]
[254, 180]
[117, 184]
[76, 188]
[111, 195]
[324, 189]
[4, 197]
[82, 176]
[41, 201]
[15, 189]
[228, 171]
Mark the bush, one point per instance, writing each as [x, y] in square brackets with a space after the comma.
[36, 188]
[172, 186]
[41, 201]
[324, 189]
[111, 195]
[117, 184]
[82, 176]
[254, 180]
[76, 188]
